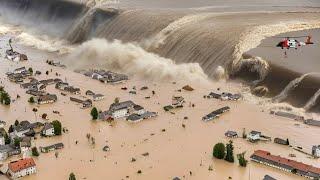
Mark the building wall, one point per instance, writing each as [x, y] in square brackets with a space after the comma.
[3, 156]
[98, 98]
[140, 112]
[120, 113]
[317, 153]
[49, 132]
[2, 141]
[254, 137]
[21, 133]
[24, 172]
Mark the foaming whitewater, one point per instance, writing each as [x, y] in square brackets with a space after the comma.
[133, 60]
[254, 65]
[312, 102]
[291, 86]
[42, 42]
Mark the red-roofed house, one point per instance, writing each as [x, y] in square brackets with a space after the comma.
[22, 167]
[295, 167]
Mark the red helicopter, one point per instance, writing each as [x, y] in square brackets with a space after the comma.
[291, 42]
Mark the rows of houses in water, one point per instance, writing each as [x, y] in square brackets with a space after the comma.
[23, 131]
[225, 96]
[18, 142]
[296, 117]
[34, 87]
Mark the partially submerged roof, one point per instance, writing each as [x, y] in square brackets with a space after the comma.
[21, 164]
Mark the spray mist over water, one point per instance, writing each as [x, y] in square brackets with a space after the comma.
[133, 60]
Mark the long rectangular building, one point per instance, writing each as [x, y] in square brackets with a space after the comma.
[288, 165]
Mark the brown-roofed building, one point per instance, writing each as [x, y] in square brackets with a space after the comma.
[295, 167]
[22, 167]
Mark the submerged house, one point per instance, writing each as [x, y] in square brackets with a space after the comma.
[128, 109]
[46, 99]
[281, 141]
[85, 103]
[139, 117]
[48, 130]
[177, 101]
[20, 70]
[66, 87]
[98, 97]
[224, 96]
[21, 129]
[231, 134]
[21, 168]
[53, 147]
[90, 93]
[287, 115]
[284, 164]
[106, 76]
[7, 151]
[254, 136]
[215, 114]
[312, 122]
[316, 151]
[105, 115]
[122, 109]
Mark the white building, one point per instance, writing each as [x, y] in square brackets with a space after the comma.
[122, 109]
[2, 140]
[20, 70]
[254, 136]
[139, 109]
[98, 97]
[21, 168]
[48, 130]
[316, 151]
[120, 113]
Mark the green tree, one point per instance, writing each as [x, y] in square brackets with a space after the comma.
[10, 130]
[72, 176]
[294, 171]
[116, 100]
[31, 100]
[5, 98]
[16, 122]
[244, 134]
[242, 161]
[229, 156]
[35, 151]
[7, 138]
[16, 142]
[57, 127]
[30, 70]
[219, 151]
[94, 113]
